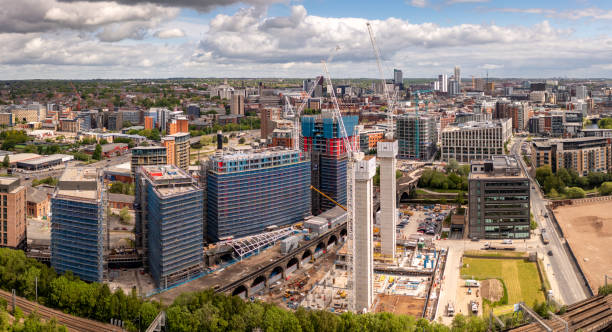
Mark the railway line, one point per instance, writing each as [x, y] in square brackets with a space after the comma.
[593, 314]
[73, 323]
[240, 281]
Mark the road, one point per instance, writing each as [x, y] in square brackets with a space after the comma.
[569, 287]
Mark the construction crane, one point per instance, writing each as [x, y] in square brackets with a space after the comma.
[296, 114]
[390, 99]
[350, 196]
[417, 150]
[329, 198]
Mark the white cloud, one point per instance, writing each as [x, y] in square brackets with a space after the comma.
[418, 3]
[25, 16]
[170, 33]
[574, 14]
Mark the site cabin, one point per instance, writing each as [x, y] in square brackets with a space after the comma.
[472, 283]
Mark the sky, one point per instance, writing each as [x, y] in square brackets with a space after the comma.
[66, 39]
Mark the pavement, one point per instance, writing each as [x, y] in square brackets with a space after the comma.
[562, 273]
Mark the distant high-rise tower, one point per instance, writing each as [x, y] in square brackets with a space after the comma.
[458, 76]
[398, 77]
[443, 79]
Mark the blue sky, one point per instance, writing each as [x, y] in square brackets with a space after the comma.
[277, 38]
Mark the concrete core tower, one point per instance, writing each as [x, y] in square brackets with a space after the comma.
[386, 152]
[365, 168]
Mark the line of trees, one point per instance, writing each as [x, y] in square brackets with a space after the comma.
[22, 323]
[567, 182]
[72, 295]
[455, 177]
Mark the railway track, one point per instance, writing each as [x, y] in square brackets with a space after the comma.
[73, 323]
[593, 314]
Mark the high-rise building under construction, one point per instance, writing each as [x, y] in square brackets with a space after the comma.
[322, 138]
[248, 192]
[417, 136]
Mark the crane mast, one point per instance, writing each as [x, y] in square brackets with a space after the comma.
[390, 100]
[350, 194]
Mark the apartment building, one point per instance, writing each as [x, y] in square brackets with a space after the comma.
[368, 139]
[475, 140]
[247, 192]
[13, 218]
[171, 203]
[177, 149]
[417, 136]
[583, 154]
[77, 230]
[499, 204]
[148, 155]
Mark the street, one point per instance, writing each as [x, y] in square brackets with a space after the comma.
[568, 287]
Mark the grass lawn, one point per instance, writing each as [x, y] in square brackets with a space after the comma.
[521, 277]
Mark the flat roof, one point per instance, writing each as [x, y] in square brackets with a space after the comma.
[43, 160]
[13, 158]
[79, 182]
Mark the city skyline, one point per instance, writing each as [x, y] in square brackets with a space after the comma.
[66, 39]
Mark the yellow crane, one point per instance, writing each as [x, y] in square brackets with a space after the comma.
[331, 199]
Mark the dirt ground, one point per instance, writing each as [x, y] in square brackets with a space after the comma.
[492, 290]
[463, 299]
[400, 304]
[588, 229]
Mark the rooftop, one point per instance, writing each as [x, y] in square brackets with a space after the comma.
[79, 182]
[169, 179]
[473, 125]
[496, 167]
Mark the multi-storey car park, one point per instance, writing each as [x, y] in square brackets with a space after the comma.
[77, 230]
[249, 192]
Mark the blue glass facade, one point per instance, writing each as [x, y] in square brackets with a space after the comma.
[77, 237]
[333, 181]
[174, 234]
[241, 203]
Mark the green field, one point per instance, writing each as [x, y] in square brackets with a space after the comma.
[521, 277]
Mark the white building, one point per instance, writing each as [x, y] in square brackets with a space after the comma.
[443, 81]
[475, 140]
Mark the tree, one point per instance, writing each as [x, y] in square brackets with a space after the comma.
[6, 162]
[225, 139]
[605, 290]
[605, 188]
[575, 192]
[125, 216]
[451, 166]
[97, 154]
[542, 173]
[242, 140]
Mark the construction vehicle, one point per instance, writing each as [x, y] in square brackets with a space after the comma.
[450, 310]
[474, 307]
[342, 294]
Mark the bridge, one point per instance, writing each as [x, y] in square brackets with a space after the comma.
[590, 315]
[261, 279]
[407, 183]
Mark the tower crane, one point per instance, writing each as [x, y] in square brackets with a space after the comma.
[297, 113]
[351, 154]
[390, 99]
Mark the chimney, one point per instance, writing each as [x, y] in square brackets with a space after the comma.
[219, 140]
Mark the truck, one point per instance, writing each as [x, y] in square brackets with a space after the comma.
[472, 283]
[545, 237]
[450, 310]
[474, 307]
[489, 246]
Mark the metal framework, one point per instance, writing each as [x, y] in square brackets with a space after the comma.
[249, 244]
[350, 195]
